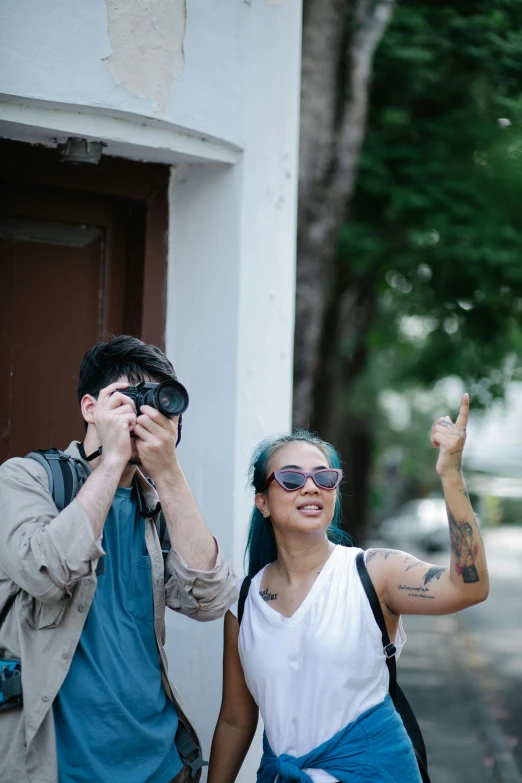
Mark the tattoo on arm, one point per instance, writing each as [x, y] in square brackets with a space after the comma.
[417, 592]
[434, 572]
[267, 596]
[464, 548]
[413, 562]
[384, 553]
[422, 591]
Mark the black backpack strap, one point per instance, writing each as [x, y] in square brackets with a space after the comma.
[388, 647]
[399, 699]
[245, 587]
[163, 534]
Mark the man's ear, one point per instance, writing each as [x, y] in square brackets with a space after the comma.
[262, 504]
[88, 408]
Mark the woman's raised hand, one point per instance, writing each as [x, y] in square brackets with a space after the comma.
[450, 438]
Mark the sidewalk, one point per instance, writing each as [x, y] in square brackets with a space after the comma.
[437, 672]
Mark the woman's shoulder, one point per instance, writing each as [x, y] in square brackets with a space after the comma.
[347, 554]
[234, 609]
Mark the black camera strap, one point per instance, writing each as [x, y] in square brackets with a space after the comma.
[92, 456]
[7, 606]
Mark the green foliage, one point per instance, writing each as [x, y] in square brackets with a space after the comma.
[436, 221]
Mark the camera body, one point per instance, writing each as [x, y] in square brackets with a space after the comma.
[169, 397]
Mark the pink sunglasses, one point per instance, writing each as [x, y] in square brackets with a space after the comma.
[326, 478]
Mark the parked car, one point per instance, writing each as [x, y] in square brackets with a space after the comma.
[420, 523]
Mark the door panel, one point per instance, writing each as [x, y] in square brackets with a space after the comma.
[63, 277]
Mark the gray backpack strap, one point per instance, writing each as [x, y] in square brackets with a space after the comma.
[38, 457]
[190, 753]
[63, 473]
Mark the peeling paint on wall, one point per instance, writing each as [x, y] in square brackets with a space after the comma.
[147, 45]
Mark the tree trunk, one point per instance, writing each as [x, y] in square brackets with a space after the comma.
[349, 315]
[339, 42]
[357, 447]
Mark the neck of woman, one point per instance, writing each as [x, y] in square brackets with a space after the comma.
[298, 558]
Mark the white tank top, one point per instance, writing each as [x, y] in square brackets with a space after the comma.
[315, 672]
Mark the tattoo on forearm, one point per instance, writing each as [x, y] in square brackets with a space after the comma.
[266, 595]
[464, 548]
[459, 462]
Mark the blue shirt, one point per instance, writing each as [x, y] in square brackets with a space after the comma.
[112, 716]
[374, 748]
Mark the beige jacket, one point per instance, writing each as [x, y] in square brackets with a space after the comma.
[49, 559]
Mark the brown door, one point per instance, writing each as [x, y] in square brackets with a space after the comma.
[64, 271]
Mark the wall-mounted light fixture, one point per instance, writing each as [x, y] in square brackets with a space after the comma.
[76, 150]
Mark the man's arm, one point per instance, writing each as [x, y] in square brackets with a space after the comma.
[114, 416]
[189, 535]
[43, 552]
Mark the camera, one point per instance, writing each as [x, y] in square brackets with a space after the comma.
[169, 398]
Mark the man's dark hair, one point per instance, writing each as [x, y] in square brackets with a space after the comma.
[107, 361]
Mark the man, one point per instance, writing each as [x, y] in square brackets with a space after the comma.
[91, 589]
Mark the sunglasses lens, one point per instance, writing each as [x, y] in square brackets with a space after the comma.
[327, 479]
[291, 480]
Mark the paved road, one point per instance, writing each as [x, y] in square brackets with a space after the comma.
[494, 630]
[431, 673]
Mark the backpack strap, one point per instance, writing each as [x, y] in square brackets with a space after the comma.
[63, 474]
[163, 534]
[191, 754]
[389, 648]
[65, 479]
[245, 587]
[7, 606]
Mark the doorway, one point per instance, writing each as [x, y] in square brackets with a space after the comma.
[82, 255]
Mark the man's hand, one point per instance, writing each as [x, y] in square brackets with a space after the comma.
[115, 418]
[450, 439]
[156, 437]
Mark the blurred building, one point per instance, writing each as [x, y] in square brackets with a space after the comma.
[149, 171]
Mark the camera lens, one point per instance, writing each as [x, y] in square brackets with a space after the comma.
[171, 398]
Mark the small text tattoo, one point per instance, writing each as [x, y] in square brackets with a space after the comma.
[266, 595]
[416, 592]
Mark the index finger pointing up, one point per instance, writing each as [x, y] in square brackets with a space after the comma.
[462, 418]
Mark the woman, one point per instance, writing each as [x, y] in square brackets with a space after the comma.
[309, 655]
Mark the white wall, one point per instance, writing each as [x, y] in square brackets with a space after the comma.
[219, 82]
[230, 323]
[151, 58]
